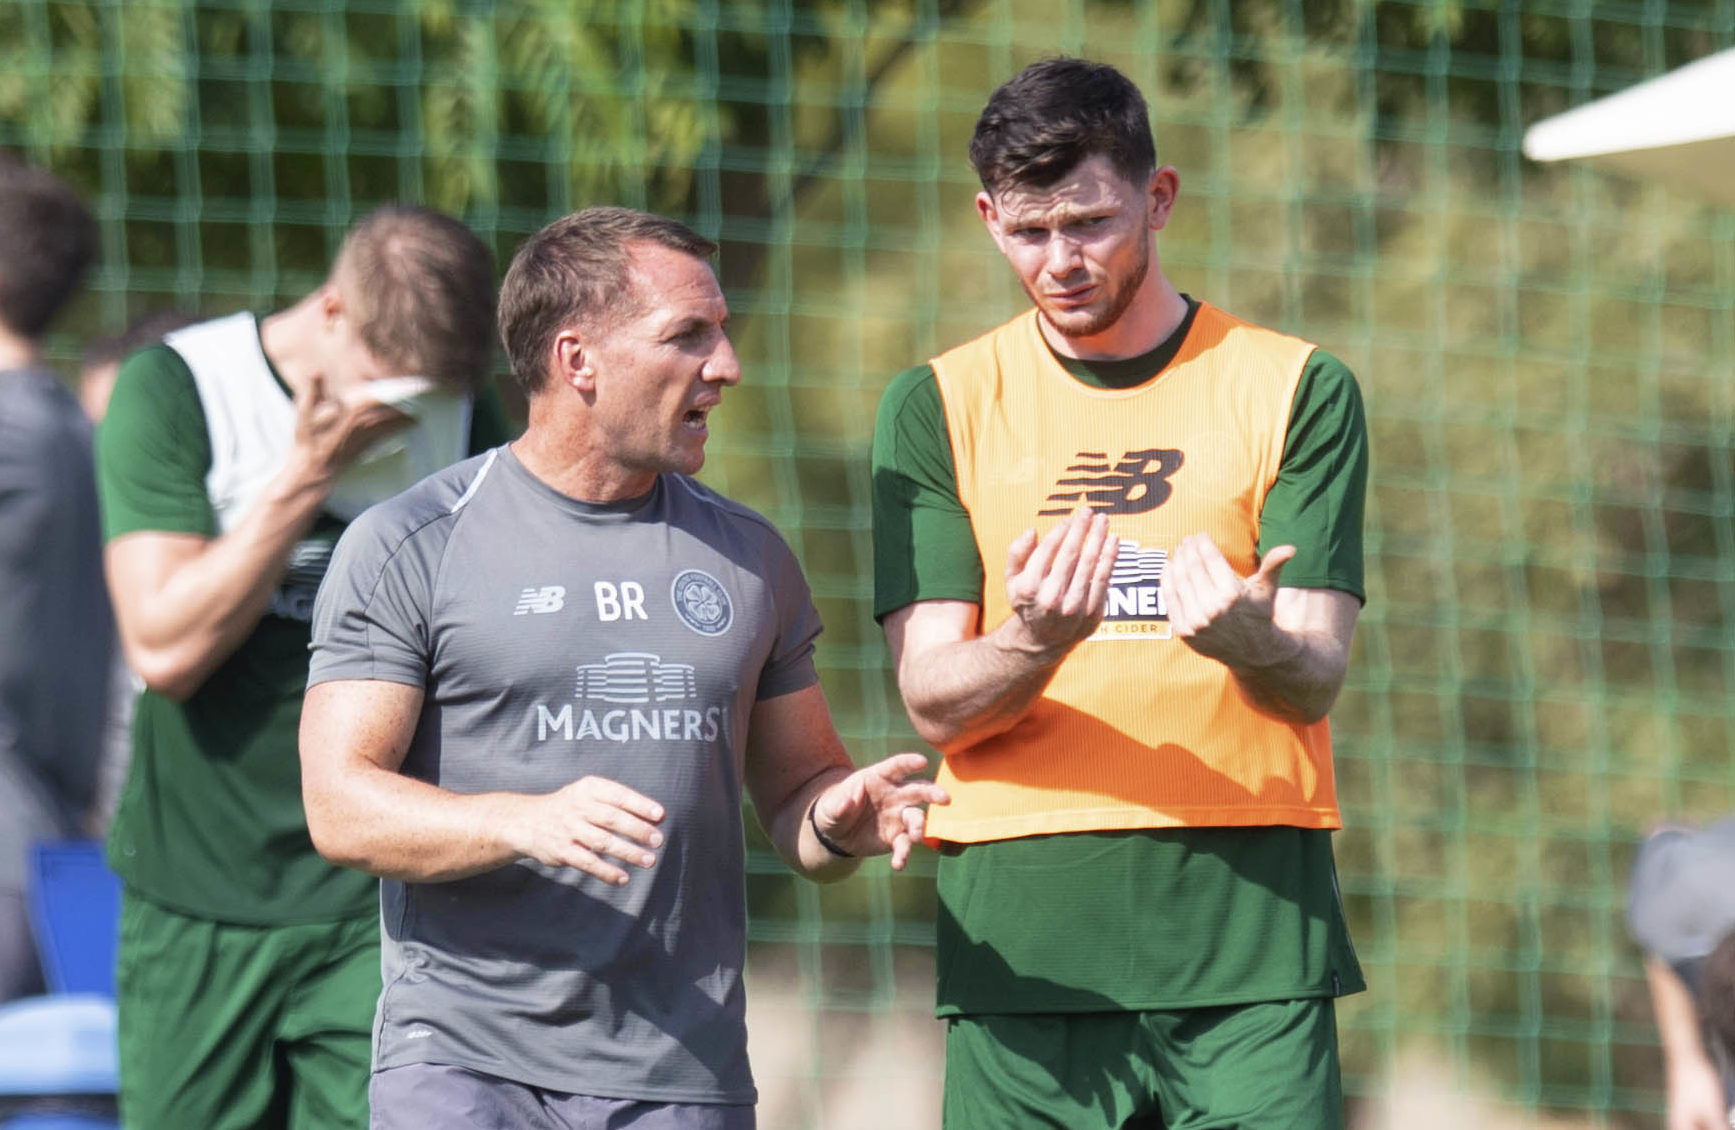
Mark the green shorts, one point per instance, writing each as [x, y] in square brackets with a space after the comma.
[1247, 1067]
[226, 1027]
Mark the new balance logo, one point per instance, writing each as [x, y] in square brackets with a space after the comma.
[1137, 483]
[548, 598]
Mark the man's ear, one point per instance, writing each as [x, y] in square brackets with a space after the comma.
[330, 302]
[1164, 187]
[574, 364]
[990, 218]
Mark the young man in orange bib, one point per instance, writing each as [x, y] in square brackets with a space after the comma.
[1139, 923]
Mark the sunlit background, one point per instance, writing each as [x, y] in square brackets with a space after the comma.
[1546, 663]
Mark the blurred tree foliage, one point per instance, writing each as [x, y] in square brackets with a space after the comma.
[505, 113]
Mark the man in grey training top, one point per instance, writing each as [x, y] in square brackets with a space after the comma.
[56, 630]
[540, 681]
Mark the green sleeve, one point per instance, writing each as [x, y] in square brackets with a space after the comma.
[153, 451]
[489, 426]
[1321, 490]
[924, 546]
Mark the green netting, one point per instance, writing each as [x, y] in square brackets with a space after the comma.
[1546, 660]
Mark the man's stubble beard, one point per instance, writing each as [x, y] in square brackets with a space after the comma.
[1119, 302]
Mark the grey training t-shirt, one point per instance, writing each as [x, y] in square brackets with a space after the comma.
[56, 629]
[555, 640]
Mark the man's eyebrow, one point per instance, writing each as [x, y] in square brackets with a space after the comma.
[1083, 211]
[685, 324]
[1060, 214]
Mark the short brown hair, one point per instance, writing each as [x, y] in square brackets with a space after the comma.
[421, 287]
[1054, 115]
[50, 241]
[575, 272]
[1717, 993]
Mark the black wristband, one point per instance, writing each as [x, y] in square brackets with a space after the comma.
[825, 841]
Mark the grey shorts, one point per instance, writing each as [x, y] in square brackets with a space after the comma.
[435, 1096]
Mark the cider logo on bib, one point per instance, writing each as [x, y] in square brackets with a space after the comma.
[1136, 609]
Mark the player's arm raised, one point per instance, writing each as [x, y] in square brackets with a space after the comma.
[822, 814]
[363, 813]
[184, 602]
[1288, 648]
[961, 687]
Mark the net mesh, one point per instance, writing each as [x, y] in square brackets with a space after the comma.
[1545, 663]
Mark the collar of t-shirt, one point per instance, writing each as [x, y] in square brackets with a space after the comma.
[270, 365]
[624, 509]
[1131, 371]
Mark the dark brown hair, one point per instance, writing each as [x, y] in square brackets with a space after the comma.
[421, 288]
[50, 241]
[574, 272]
[1053, 115]
[1717, 993]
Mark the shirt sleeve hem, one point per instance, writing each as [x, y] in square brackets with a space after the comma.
[889, 605]
[373, 671]
[1351, 585]
[159, 524]
[785, 683]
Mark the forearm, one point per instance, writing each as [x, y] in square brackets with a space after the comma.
[379, 821]
[963, 692]
[792, 832]
[805, 790]
[1677, 1018]
[1296, 675]
[207, 605]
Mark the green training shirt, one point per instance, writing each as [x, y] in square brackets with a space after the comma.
[210, 821]
[1147, 919]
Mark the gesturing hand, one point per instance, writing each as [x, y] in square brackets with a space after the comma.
[1695, 1097]
[580, 824]
[1058, 587]
[331, 432]
[879, 808]
[1219, 613]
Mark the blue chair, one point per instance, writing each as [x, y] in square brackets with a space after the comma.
[75, 915]
[59, 1066]
[58, 1063]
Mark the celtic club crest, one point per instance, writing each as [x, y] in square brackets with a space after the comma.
[702, 602]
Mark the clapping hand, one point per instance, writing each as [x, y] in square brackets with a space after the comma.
[1058, 586]
[1219, 613]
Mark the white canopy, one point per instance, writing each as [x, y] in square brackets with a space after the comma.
[1677, 129]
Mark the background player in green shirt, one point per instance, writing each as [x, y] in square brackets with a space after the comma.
[1153, 978]
[227, 466]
